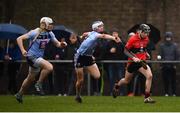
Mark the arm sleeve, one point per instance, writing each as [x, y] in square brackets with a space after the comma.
[129, 44]
[52, 36]
[97, 35]
[32, 34]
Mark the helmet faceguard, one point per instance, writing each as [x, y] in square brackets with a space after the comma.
[145, 28]
[96, 24]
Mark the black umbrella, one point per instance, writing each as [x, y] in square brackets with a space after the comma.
[154, 34]
[11, 31]
[61, 31]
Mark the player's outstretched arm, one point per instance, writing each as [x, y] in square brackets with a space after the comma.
[107, 36]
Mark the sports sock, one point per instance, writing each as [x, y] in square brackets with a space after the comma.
[147, 94]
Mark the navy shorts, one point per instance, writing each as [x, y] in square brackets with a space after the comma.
[83, 60]
[34, 63]
[133, 67]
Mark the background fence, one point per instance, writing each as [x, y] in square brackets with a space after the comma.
[89, 89]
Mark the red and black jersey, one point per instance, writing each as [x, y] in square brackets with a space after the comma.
[138, 46]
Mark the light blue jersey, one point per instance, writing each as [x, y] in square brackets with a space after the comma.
[88, 45]
[37, 47]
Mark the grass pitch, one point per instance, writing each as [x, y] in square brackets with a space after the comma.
[8, 103]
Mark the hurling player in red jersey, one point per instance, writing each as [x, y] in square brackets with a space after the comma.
[135, 49]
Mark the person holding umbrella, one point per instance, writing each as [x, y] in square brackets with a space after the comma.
[13, 66]
[39, 38]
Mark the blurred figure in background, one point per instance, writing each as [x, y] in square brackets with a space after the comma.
[11, 57]
[169, 51]
[60, 77]
[71, 49]
[115, 51]
[96, 84]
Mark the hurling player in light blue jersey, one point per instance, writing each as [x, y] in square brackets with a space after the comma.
[39, 38]
[84, 56]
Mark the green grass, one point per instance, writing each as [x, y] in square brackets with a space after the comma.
[90, 103]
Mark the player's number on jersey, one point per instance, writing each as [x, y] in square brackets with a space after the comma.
[42, 44]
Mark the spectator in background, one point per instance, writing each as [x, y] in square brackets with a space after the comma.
[115, 51]
[11, 57]
[60, 77]
[70, 51]
[169, 51]
[99, 52]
